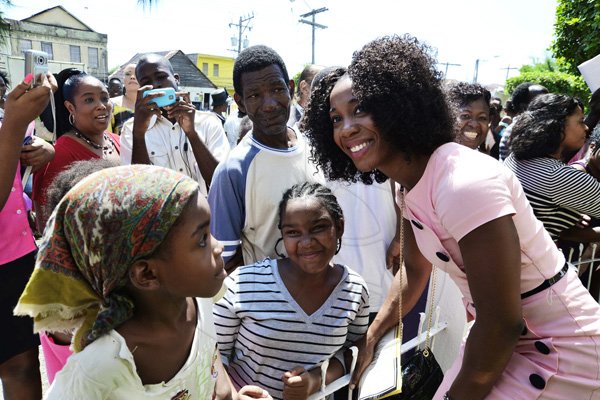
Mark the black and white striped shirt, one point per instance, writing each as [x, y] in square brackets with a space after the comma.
[263, 333]
[558, 194]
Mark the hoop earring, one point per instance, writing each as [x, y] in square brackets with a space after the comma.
[277, 244]
[72, 119]
[339, 246]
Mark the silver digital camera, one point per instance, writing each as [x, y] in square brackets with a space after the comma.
[36, 63]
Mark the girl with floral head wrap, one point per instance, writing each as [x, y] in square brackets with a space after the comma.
[125, 255]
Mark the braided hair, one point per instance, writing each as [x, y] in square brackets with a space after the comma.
[315, 191]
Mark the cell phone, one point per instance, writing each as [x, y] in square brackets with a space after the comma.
[167, 99]
[27, 141]
[36, 63]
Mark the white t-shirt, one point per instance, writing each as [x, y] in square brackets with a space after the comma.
[168, 146]
[106, 369]
[369, 228]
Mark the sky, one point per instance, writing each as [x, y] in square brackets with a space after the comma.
[499, 33]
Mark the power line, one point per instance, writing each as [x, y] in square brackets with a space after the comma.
[314, 26]
[448, 64]
[508, 68]
[242, 25]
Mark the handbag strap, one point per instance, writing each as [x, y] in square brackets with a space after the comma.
[432, 284]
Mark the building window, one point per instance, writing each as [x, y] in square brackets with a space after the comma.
[47, 47]
[205, 68]
[25, 44]
[215, 69]
[93, 57]
[75, 52]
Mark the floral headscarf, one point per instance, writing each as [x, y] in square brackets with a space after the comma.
[100, 228]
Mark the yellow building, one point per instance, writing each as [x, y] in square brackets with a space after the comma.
[218, 69]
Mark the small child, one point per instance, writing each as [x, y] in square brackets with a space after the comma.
[124, 255]
[280, 319]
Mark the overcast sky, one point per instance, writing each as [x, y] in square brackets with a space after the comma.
[500, 33]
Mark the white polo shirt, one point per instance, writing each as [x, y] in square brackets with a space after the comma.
[168, 146]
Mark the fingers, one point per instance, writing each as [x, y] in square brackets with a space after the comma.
[253, 391]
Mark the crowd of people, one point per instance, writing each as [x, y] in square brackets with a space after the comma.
[182, 254]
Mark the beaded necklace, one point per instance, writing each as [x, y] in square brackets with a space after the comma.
[106, 149]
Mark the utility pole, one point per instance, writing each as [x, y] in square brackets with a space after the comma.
[447, 64]
[508, 68]
[314, 26]
[242, 25]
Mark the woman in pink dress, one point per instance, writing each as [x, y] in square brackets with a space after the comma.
[536, 331]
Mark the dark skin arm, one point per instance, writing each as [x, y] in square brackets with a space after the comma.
[144, 110]
[299, 383]
[22, 106]
[416, 276]
[184, 113]
[236, 261]
[492, 258]
[37, 154]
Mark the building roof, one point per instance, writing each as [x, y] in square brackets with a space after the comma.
[61, 21]
[189, 74]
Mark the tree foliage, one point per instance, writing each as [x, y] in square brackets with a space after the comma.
[555, 81]
[4, 25]
[576, 37]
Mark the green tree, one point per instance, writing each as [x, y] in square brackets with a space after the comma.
[4, 25]
[576, 37]
[547, 75]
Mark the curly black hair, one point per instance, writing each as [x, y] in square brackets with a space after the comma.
[255, 58]
[312, 190]
[395, 81]
[539, 131]
[463, 93]
[64, 181]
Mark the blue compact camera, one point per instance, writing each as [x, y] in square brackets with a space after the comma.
[168, 98]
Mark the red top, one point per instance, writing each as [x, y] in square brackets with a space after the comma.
[67, 151]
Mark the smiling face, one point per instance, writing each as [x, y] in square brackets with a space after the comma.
[575, 132]
[265, 99]
[91, 106]
[355, 132]
[310, 234]
[473, 122]
[190, 262]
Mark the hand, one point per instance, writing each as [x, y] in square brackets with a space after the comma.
[23, 104]
[584, 221]
[145, 109]
[366, 350]
[37, 154]
[253, 392]
[298, 383]
[183, 111]
[392, 256]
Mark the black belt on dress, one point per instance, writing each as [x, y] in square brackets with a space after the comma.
[547, 283]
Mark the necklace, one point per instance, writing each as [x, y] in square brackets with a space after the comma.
[106, 149]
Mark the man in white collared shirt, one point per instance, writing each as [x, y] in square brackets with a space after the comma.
[177, 136]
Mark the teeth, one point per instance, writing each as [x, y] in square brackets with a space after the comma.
[358, 147]
[470, 135]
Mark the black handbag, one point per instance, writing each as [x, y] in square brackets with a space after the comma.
[421, 376]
